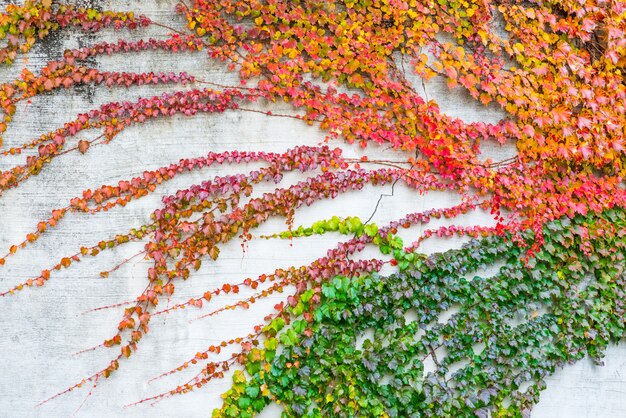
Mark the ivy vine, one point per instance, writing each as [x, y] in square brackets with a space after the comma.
[349, 341]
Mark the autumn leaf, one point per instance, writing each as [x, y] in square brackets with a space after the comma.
[83, 146]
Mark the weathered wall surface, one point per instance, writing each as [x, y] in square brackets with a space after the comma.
[40, 330]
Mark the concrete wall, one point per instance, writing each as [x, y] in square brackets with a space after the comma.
[41, 329]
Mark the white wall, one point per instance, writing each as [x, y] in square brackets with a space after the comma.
[40, 329]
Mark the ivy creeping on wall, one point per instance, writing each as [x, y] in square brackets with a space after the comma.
[349, 340]
[484, 355]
